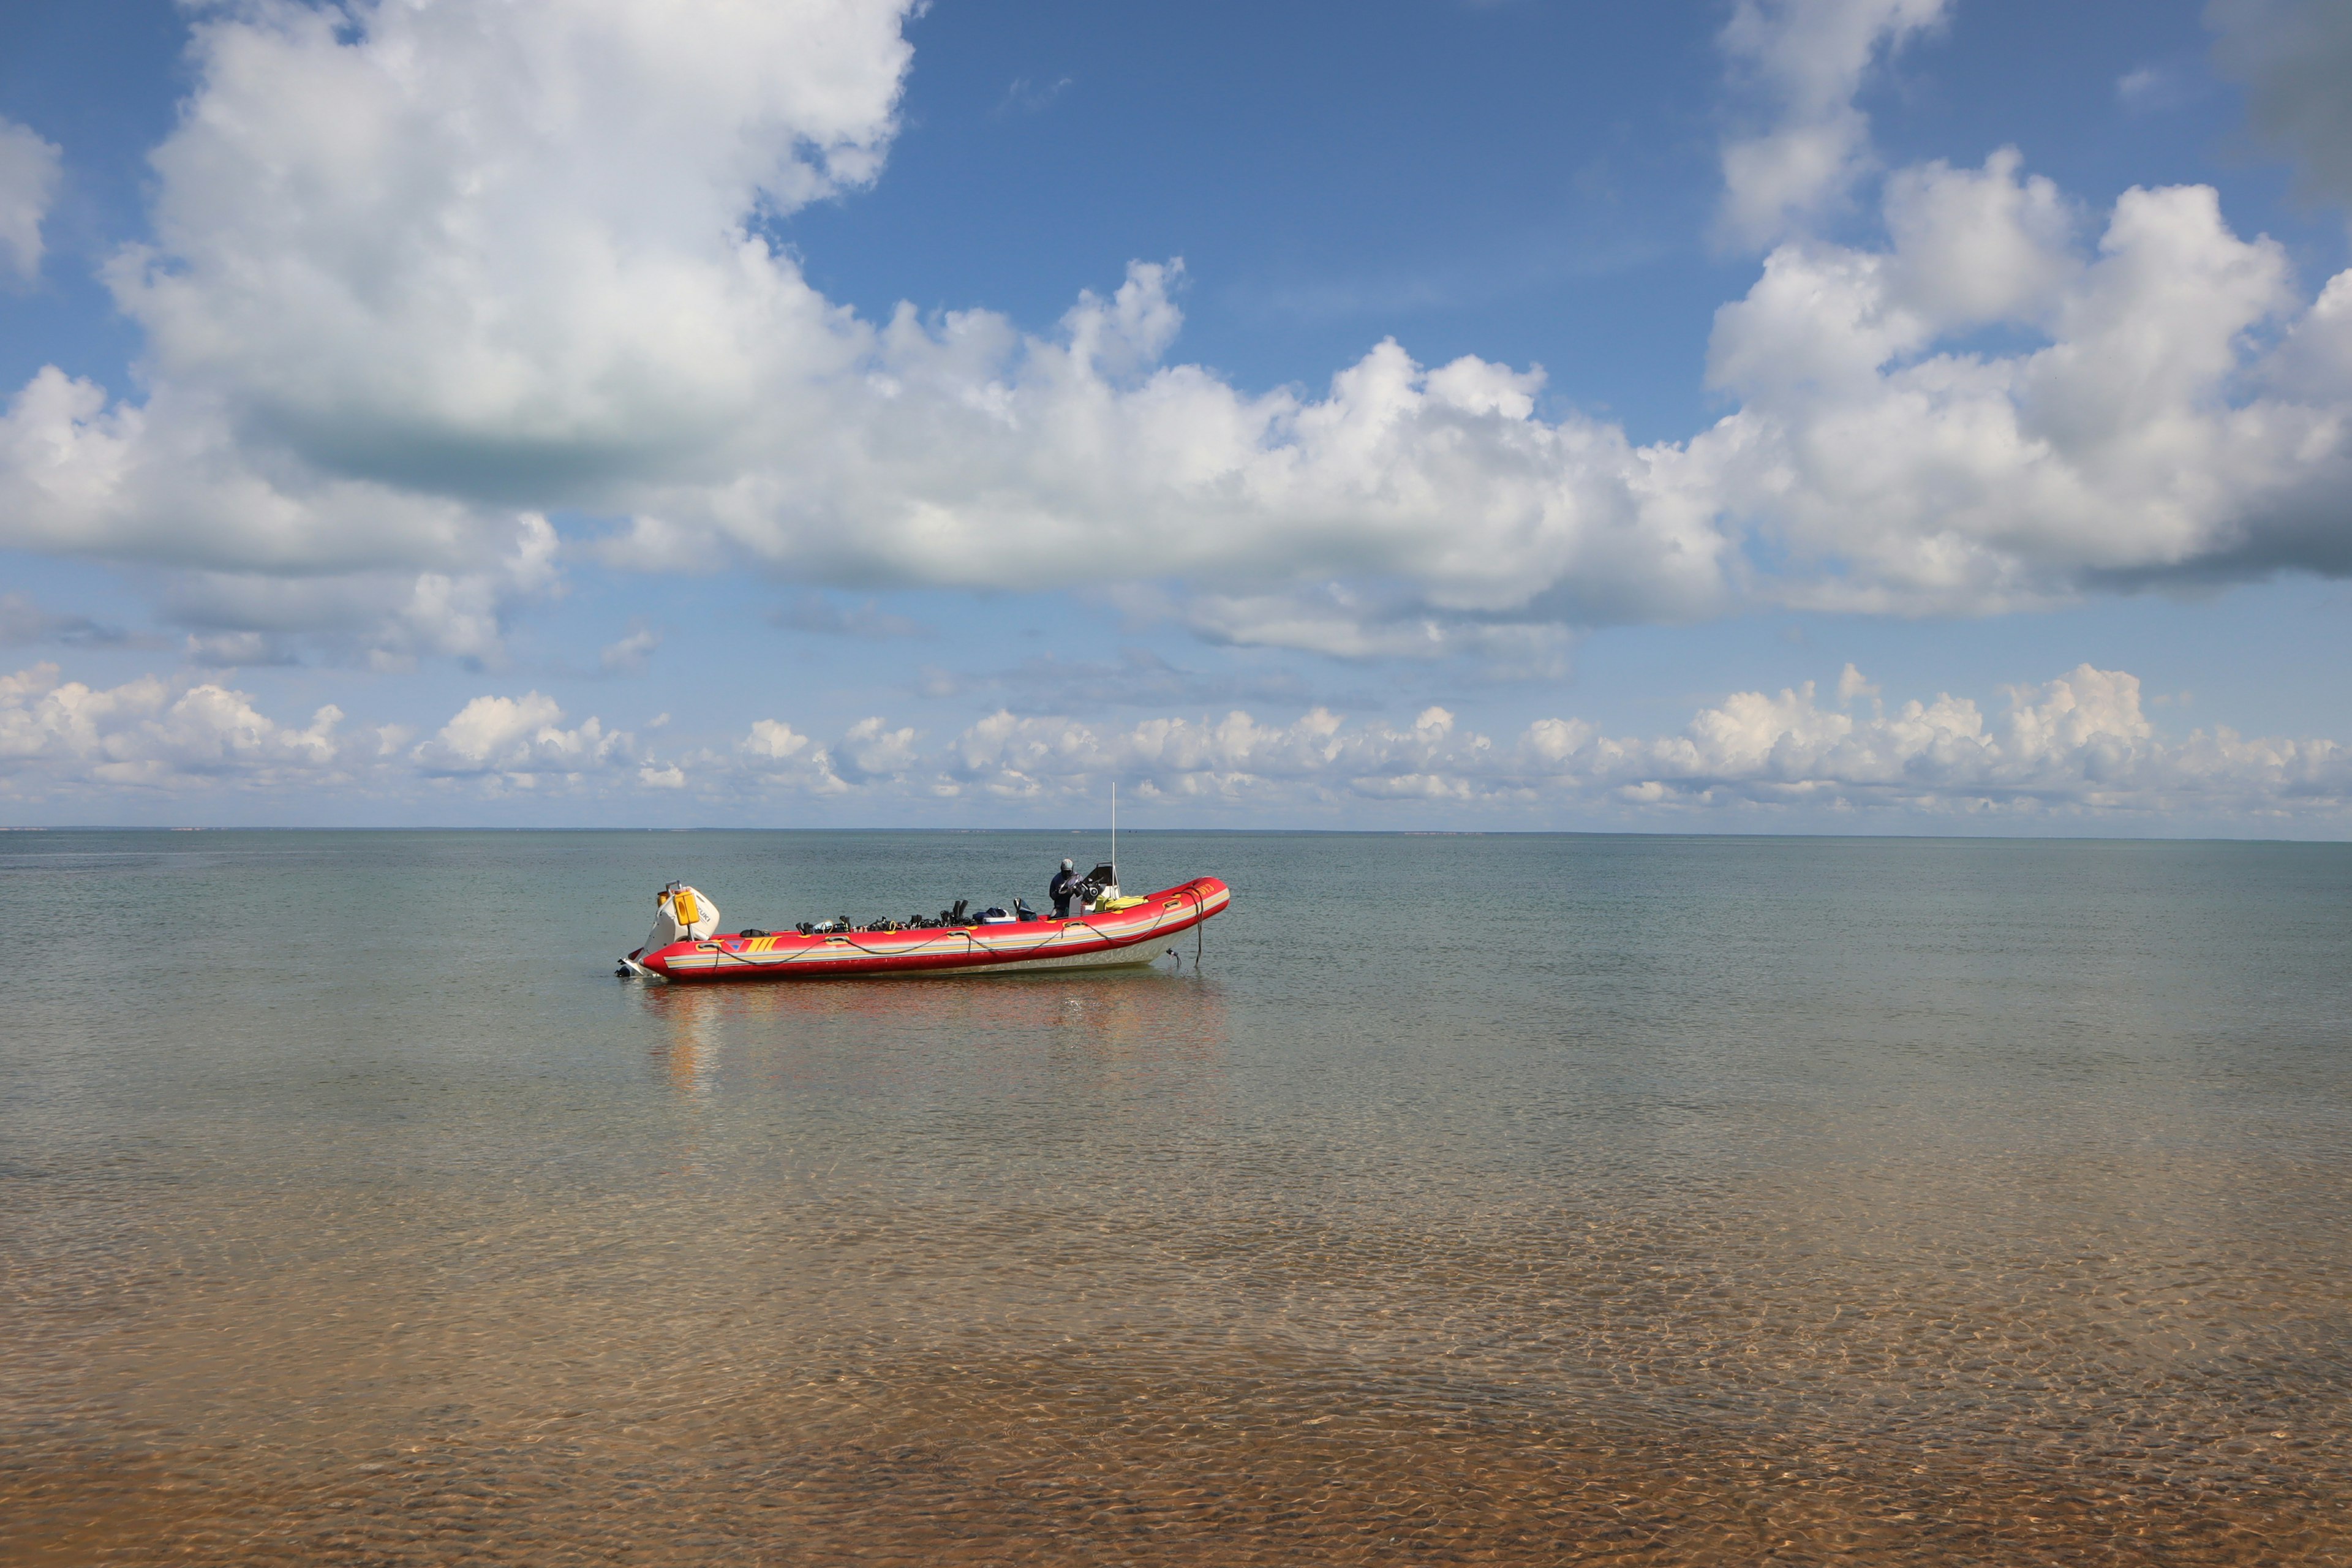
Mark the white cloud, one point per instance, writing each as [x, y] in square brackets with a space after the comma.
[2294, 56]
[518, 740]
[1805, 60]
[2153, 434]
[1978, 246]
[168, 482]
[508, 247]
[416, 268]
[871, 749]
[970, 456]
[60, 738]
[30, 169]
[775, 740]
[775, 755]
[265, 545]
[2315, 364]
[2080, 749]
[153, 734]
[420, 265]
[389, 616]
[425, 272]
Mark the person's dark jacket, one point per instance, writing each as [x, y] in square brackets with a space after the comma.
[1064, 887]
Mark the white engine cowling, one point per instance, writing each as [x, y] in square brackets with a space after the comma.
[680, 914]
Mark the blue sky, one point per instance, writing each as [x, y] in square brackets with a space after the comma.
[1416, 415]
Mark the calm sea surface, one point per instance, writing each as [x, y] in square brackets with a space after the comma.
[1493, 1199]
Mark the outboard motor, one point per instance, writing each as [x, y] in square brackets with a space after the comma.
[1101, 887]
[680, 914]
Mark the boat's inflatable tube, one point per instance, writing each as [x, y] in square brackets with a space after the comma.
[1104, 938]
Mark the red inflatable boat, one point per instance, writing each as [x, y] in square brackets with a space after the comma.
[1119, 932]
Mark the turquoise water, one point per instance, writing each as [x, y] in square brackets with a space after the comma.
[1524, 1199]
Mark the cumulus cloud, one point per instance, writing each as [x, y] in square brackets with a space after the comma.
[1978, 246]
[388, 617]
[384, 301]
[774, 756]
[415, 269]
[422, 271]
[969, 455]
[773, 740]
[869, 755]
[517, 741]
[2294, 57]
[1805, 60]
[2185, 416]
[168, 481]
[153, 734]
[871, 749]
[2080, 746]
[186, 735]
[1852, 683]
[29, 173]
[256, 544]
[424, 274]
[505, 252]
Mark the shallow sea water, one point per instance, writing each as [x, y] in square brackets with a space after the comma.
[1477, 1199]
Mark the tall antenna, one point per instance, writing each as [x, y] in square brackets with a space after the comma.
[1114, 830]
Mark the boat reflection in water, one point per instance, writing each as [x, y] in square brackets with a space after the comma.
[1147, 1025]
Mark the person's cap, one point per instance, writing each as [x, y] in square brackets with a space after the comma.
[1069, 864]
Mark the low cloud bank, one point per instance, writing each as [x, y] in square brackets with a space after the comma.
[2080, 749]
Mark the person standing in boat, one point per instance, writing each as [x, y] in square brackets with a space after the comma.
[1064, 888]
